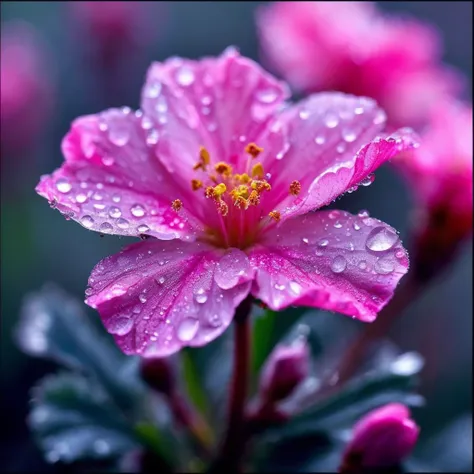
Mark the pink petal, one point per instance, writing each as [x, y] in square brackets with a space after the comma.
[326, 142]
[220, 103]
[112, 182]
[330, 260]
[156, 297]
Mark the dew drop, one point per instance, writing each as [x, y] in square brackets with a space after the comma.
[143, 228]
[356, 226]
[87, 221]
[339, 264]
[63, 185]
[215, 320]
[341, 148]
[295, 287]
[305, 240]
[108, 160]
[381, 239]
[323, 242]
[160, 280]
[267, 96]
[331, 120]
[142, 298]
[106, 228]
[81, 198]
[187, 329]
[320, 140]
[384, 266]
[152, 137]
[231, 267]
[120, 325]
[185, 76]
[363, 213]
[368, 180]
[362, 265]
[122, 223]
[349, 135]
[153, 91]
[201, 297]
[337, 225]
[380, 117]
[399, 254]
[137, 210]
[115, 212]
[304, 114]
[116, 198]
[119, 135]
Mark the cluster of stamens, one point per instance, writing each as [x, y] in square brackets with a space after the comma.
[224, 187]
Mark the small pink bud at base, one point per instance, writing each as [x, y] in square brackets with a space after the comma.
[382, 438]
[158, 374]
[284, 370]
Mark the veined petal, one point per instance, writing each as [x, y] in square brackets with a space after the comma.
[156, 297]
[219, 103]
[330, 260]
[112, 181]
[329, 143]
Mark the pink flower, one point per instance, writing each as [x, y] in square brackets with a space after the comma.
[382, 438]
[218, 160]
[440, 175]
[351, 47]
[26, 87]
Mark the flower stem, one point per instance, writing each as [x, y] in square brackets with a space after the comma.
[231, 451]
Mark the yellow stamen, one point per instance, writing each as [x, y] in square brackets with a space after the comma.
[260, 186]
[222, 208]
[223, 168]
[240, 201]
[257, 171]
[196, 184]
[295, 188]
[253, 150]
[254, 198]
[220, 189]
[204, 156]
[176, 205]
[275, 215]
[209, 192]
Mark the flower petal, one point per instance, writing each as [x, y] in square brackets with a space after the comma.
[220, 103]
[325, 144]
[156, 297]
[330, 260]
[112, 182]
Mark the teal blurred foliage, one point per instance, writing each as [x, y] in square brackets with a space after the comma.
[38, 245]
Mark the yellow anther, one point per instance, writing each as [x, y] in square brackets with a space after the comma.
[257, 171]
[253, 150]
[275, 215]
[196, 184]
[223, 168]
[260, 186]
[220, 189]
[176, 205]
[197, 166]
[240, 201]
[254, 198]
[204, 156]
[244, 178]
[209, 192]
[295, 188]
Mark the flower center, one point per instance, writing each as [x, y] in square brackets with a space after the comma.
[237, 197]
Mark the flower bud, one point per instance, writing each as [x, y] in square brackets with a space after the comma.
[382, 438]
[284, 370]
[158, 374]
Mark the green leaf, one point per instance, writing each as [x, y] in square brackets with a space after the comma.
[193, 383]
[54, 325]
[73, 418]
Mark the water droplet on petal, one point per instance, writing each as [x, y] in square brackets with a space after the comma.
[137, 210]
[337, 225]
[87, 221]
[108, 160]
[331, 120]
[185, 76]
[142, 298]
[339, 264]
[399, 254]
[305, 240]
[381, 239]
[363, 213]
[215, 320]
[323, 242]
[115, 212]
[368, 180]
[120, 325]
[143, 228]
[187, 329]
[231, 267]
[407, 364]
[201, 297]
[116, 198]
[349, 135]
[63, 185]
[362, 265]
[122, 223]
[106, 228]
[119, 134]
[304, 114]
[267, 96]
[356, 226]
[160, 280]
[319, 140]
[384, 266]
[81, 198]
[295, 287]
[153, 90]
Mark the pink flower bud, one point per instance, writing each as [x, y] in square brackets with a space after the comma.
[382, 438]
[158, 374]
[284, 370]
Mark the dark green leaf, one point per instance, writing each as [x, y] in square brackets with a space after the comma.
[54, 325]
[73, 418]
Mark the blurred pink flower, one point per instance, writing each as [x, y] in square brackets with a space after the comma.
[217, 159]
[382, 438]
[440, 175]
[26, 87]
[115, 28]
[353, 48]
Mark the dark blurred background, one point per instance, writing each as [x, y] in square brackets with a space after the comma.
[39, 245]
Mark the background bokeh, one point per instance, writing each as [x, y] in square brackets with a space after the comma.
[39, 245]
